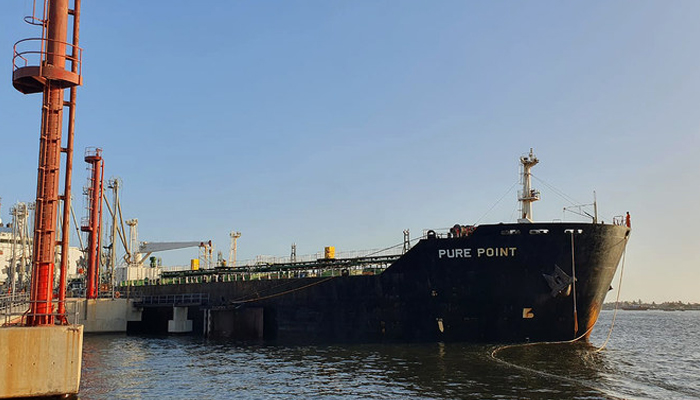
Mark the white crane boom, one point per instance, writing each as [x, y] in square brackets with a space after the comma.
[152, 247]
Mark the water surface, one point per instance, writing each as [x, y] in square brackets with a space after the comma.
[652, 355]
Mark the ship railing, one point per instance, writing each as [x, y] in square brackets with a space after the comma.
[307, 258]
[440, 233]
[264, 260]
[371, 266]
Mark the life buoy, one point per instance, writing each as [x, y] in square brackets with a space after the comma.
[117, 295]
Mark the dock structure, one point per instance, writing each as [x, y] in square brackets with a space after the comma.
[223, 302]
[42, 352]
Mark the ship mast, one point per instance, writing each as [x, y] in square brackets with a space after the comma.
[234, 248]
[528, 195]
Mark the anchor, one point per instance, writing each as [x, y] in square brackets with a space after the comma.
[559, 282]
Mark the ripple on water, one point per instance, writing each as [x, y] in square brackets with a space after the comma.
[651, 355]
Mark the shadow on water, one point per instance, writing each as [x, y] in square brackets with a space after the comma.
[182, 367]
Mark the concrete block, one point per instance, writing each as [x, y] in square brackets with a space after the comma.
[179, 323]
[102, 315]
[40, 360]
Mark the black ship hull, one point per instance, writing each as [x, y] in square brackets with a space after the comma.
[500, 283]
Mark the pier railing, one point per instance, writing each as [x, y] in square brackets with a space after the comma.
[13, 306]
[174, 300]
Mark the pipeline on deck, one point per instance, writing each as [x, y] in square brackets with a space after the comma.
[290, 270]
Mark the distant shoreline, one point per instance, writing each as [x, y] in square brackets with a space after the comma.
[641, 306]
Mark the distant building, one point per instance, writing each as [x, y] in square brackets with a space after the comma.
[22, 256]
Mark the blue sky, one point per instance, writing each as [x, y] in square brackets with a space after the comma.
[343, 123]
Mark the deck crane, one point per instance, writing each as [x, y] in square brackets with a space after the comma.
[138, 251]
[149, 248]
[135, 249]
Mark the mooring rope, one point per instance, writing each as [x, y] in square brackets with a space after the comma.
[274, 289]
[617, 301]
[576, 381]
[283, 293]
[543, 373]
[495, 351]
[509, 346]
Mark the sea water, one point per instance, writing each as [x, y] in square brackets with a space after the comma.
[651, 355]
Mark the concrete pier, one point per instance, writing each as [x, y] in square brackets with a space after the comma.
[40, 360]
[102, 315]
[179, 323]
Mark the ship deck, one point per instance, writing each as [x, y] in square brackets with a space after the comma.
[369, 265]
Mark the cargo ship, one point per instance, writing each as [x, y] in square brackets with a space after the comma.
[491, 283]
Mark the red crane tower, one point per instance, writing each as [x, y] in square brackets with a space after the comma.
[49, 65]
[93, 222]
